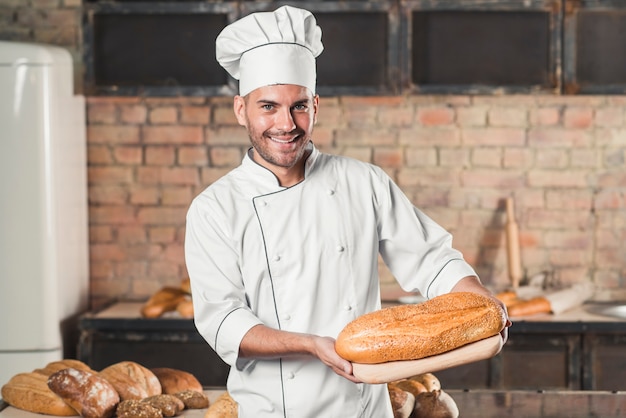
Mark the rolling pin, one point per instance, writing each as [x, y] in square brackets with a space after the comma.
[512, 245]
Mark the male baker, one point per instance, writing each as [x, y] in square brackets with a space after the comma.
[282, 251]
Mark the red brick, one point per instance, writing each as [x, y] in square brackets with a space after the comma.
[163, 115]
[453, 157]
[428, 176]
[131, 269]
[110, 174]
[144, 195]
[225, 156]
[607, 238]
[100, 269]
[375, 137]
[610, 199]
[224, 116]
[388, 157]
[471, 116]
[545, 116]
[98, 155]
[508, 117]
[444, 137]
[609, 117]
[133, 113]
[106, 252]
[172, 134]
[131, 234]
[584, 158]
[329, 115]
[358, 153]
[107, 195]
[128, 155]
[161, 234]
[101, 113]
[112, 134]
[556, 219]
[569, 257]
[487, 157]
[396, 116]
[227, 136]
[100, 233]
[111, 214]
[435, 116]
[552, 158]
[174, 252]
[570, 239]
[509, 179]
[194, 115]
[421, 157]
[172, 196]
[611, 179]
[360, 116]
[494, 136]
[160, 155]
[555, 178]
[209, 175]
[161, 216]
[578, 117]
[323, 137]
[163, 269]
[610, 137]
[569, 199]
[555, 137]
[192, 156]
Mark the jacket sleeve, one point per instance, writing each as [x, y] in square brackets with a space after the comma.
[416, 249]
[221, 314]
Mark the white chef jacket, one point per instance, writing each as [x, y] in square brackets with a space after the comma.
[304, 259]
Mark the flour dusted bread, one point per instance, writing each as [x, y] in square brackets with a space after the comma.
[132, 380]
[91, 395]
[223, 407]
[30, 392]
[411, 332]
[55, 366]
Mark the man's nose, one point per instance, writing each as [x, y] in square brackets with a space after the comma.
[284, 121]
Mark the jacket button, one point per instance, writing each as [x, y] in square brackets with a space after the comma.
[348, 308]
[287, 317]
[290, 375]
[277, 257]
[340, 248]
[331, 192]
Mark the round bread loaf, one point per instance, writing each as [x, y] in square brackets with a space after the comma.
[193, 399]
[132, 380]
[411, 332]
[133, 408]
[87, 392]
[174, 380]
[30, 392]
[55, 366]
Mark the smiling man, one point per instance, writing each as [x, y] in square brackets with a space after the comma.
[282, 251]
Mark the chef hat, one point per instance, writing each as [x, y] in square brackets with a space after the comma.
[269, 48]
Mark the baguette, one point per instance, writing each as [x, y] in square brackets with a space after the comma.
[532, 306]
[30, 392]
[411, 332]
[164, 300]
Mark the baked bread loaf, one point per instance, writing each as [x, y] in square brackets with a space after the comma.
[55, 366]
[533, 306]
[164, 300]
[402, 402]
[185, 308]
[223, 407]
[134, 408]
[174, 380]
[169, 405]
[131, 380]
[192, 399]
[30, 392]
[87, 392]
[411, 332]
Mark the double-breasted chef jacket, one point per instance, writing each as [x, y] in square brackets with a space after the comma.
[305, 259]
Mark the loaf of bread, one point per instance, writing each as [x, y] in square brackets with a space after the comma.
[30, 392]
[223, 407]
[185, 308]
[91, 395]
[164, 300]
[402, 402]
[132, 380]
[169, 405]
[536, 305]
[192, 399]
[55, 366]
[174, 380]
[411, 332]
[134, 408]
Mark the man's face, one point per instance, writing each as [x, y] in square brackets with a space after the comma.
[280, 121]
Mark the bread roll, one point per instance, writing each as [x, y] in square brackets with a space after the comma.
[532, 306]
[192, 399]
[164, 300]
[174, 380]
[55, 366]
[88, 393]
[132, 380]
[185, 285]
[169, 405]
[509, 298]
[30, 392]
[412, 386]
[428, 380]
[402, 402]
[133, 408]
[411, 332]
[223, 407]
[185, 308]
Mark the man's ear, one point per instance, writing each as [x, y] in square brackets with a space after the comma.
[239, 107]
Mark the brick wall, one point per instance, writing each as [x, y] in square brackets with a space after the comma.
[457, 157]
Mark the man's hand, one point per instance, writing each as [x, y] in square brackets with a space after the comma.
[324, 349]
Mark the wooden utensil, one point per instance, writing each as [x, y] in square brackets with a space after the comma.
[396, 370]
[512, 245]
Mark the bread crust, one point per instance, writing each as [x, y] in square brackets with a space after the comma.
[411, 332]
[30, 392]
[223, 407]
[174, 380]
[532, 306]
[132, 380]
[87, 392]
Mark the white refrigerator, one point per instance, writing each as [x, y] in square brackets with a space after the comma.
[43, 207]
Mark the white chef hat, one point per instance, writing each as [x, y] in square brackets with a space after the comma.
[269, 48]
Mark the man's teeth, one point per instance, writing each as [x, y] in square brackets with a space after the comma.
[280, 141]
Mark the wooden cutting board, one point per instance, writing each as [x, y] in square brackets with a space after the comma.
[396, 370]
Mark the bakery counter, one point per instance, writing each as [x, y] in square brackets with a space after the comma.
[119, 333]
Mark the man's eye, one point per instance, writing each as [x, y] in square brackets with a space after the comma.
[267, 107]
[300, 107]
